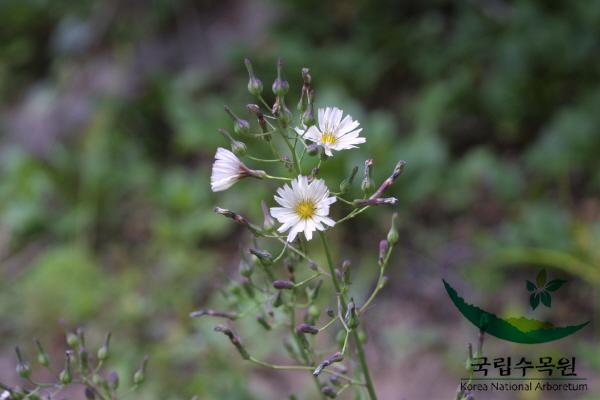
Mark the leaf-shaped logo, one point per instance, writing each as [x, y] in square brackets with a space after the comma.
[540, 290]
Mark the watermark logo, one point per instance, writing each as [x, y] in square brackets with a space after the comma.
[518, 329]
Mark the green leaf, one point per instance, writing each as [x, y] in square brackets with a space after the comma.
[555, 284]
[541, 278]
[534, 300]
[546, 299]
[530, 286]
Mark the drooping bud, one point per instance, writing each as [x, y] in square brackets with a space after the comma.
[235, 340]
[306, 328]
[140, 375]
[392, 236]
[280, 86]
[383, 249]
[103, 350]
[213, 313]
[283, 284]
[238, 148]
[398, 169]
[263, 256]
[347, 183]
[334, 358]
[42, 356]
[392, 201]
[262, 122]
[23, 367]
[367, 182]
[240, 126]
[239, 219]
[255, 86]
[66, 377]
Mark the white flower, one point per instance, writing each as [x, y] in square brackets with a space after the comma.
[228, 169]
[333, 132]
[304, 207]
[5, 395]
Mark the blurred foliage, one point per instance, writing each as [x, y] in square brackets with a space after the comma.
[492, 104]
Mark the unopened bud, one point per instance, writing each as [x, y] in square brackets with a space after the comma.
[140, 375]
[234, 339]
[282, 284]
[42, 356]
[240, 126]
[278, 301]
[314, 311]
[255, 86]
[312, 149]
[65, 376]
[367, 182]
[280, 86]
[329, 392]
[89, 393]
[392, 236]
[23, 367]
[306, 328]
[351, 317]
[263, 256]
[103, 351]
[334, 358]
[113, 380]
[72, 340]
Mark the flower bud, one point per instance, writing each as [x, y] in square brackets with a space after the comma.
[240, 126]
[72, 340]
[306, 328]
[262, 122]
[140, 375]
[367, 183]
[280, 86]
[314, 311]
[334, 358]
[23, 367]
[278, 301]
[234, 339]
[351, 317]
[103, 351]
[113, 380]
[238, 148]
[392, 236]
[89, 393]
[255, 86]
[282, 284]
[66, 377]
[264, 256]
[312, 149]
[308, 116]
[42, 356]
[269, 222]
[329, 392]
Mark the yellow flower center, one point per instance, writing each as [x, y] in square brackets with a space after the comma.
[305, 209]
[328, 138]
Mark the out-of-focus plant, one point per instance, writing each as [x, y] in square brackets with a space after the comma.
[284, 287]
[81, 368]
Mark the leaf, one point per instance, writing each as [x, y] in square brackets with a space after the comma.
[546, 299]
[541, 278]
[530, 286]
[534, 300]
[555, 284]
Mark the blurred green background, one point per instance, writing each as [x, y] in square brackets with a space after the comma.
[109, 114]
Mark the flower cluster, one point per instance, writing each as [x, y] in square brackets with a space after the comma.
[81, 368]
[301, 206]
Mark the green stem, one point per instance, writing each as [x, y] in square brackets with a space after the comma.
[294, 156]
[359, 348]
